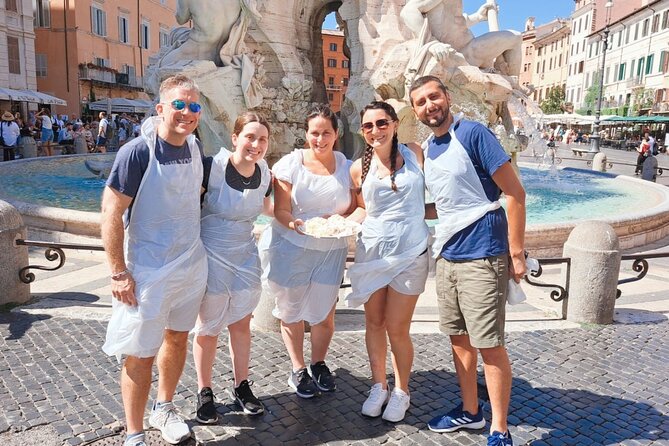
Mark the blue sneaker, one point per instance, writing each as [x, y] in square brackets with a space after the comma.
[457, 419]
[500, 439]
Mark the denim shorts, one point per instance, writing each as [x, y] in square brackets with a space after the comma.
[47, 135]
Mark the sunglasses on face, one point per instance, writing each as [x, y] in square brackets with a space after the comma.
[180, 105]
[381, 124]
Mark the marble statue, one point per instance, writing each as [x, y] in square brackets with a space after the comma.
[267, 55]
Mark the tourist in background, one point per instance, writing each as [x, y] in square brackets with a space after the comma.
[101, 141]
[159, 274]
[643, 151]
[238, 191]
[303, 273]
[10, 132]
[478, 250]
[46, 130]
[391, 261]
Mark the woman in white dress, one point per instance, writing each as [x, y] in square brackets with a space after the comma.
[304, 273]
[238, 191]
[391, 260]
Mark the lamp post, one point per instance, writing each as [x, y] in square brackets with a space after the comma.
[595, 138]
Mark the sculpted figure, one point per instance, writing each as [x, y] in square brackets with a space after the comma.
[218, 31]
[443, 32]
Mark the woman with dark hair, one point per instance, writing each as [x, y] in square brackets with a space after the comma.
[238, 190]
[303, 273]
[391, 261]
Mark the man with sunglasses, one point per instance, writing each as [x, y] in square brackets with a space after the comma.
[478, 250]
[152, 200]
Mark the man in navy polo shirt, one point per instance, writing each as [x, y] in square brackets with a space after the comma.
[478, 249]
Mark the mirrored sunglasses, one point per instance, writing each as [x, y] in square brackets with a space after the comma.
[381, 124]
[179, 105]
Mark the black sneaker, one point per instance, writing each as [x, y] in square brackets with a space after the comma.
[243, 395]
[302, 384]
[323, 377]
[206, 410]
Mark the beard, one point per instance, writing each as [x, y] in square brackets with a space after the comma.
[436, 121]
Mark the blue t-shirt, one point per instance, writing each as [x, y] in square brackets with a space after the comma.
[487, 236]
[132, 161]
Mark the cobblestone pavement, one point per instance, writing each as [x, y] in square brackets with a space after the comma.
[592, 385]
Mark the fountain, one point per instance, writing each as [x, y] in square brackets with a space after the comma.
[268, 56]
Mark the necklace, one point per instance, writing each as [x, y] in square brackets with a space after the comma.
[245, 183]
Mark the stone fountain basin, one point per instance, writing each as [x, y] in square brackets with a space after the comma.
[636, 228]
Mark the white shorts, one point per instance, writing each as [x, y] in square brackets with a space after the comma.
[412, 280]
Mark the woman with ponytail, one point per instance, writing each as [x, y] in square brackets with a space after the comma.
[391, 262]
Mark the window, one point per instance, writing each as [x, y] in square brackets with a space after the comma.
[13, 56]
[333, 46]
[41, 65]
[344, 63]
[620, 38]
[649, 64]
[331, 96]
[664, 62]
[587, 80]
[99, 61]
[144, 34]
[621, 71]
[627, 35]
[543, 66]
[639, 67]
[606, 78]
[560, 61]
[163, 36]
[345, 81]
[632, 67]
[123, 34]
[42, 12]
[646, 24]
[636, 31]
[10, 5]
[580, 67]
[656, 23]
[330, 80]
[569, 70]
[615, 73]
[665, 19]
[98, 21]
[332, 63]
[590, 50]
[550, 64]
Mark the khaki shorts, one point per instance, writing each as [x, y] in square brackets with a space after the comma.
[471, 296]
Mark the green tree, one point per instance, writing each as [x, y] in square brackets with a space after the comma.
[554, 102]
[591, 95]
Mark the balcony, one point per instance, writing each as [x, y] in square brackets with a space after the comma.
[110, 76]
[332, 87]
[661, 107]
[634, 82]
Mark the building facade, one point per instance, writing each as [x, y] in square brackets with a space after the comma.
[336, 71]
[17, 51]
[636, 73]
[92, 50]
[551, 52]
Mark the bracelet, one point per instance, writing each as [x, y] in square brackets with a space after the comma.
[117, 276]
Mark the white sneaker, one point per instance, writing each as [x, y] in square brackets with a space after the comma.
[397, 406]
[171, 426]
[373, 405]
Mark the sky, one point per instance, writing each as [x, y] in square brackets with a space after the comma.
[512, 13]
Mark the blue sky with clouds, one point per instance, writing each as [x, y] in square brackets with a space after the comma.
[512, 13]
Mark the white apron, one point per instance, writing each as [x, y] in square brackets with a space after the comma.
[394, 232]
[164, 254]
[452, 181]
[233, 283]
[304, 273]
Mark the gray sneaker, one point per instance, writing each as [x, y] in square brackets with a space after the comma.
[172, 427]
[137, 440]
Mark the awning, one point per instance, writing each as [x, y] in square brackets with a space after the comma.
[641, 119]
[122, 105]
[30, 96]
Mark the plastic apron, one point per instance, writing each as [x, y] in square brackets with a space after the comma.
[304, 273]
[233, 283]
[394, 232]
[164, 253]
[452, 181]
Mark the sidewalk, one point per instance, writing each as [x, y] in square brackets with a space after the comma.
[573, 384]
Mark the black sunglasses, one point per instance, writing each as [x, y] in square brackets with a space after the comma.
[179, 105]
[381, 124]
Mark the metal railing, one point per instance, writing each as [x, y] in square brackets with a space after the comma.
[639, 265]
[53, 253]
